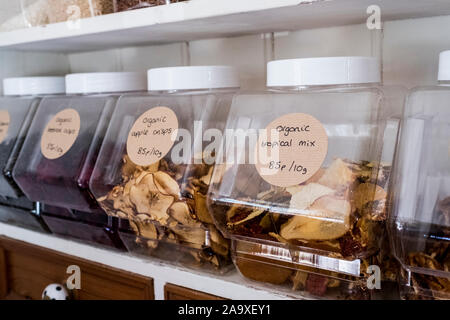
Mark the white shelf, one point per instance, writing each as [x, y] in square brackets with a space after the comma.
[231, 286]
[200, 19]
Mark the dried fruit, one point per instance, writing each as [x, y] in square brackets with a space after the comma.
[180, 212]
[171, 198]
[299, 280]
[252, 215]
[366, 193]
[306, 195]
[328, 219]
[337, 176]
[316, 284]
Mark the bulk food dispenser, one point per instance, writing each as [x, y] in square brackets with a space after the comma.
[420, 218]
[60, 150]
[22, 97]
[155, 165]
[302, 186]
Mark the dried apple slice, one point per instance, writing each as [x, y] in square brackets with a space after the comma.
[180, 212]
[193, 237]
[166, 184]
[329, 218]
[207, 179]
[147, 199]
[201, 208]
[337, 175]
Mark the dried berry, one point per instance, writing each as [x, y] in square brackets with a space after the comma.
[316, 284]
[349, 246]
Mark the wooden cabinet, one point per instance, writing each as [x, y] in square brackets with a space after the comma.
[173, 292]
[25, 270]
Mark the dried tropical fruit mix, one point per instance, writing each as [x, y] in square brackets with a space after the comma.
[340, 213]
[436, 258]
[166, 203]
[340, 209]
[257, 262]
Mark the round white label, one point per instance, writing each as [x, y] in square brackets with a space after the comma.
[4, 124]
[152, 136]
[60, 134]
[291, 149]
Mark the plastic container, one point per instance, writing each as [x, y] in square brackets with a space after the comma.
[11, 17]
[95, 229]
[141, 177]
[20, 14]
[306, 186]
[17, 108]
[60, 150]
[71, 10]
[124, 5]
[420, 228]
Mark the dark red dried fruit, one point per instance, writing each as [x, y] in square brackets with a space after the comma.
[316, 284]
[349, 246]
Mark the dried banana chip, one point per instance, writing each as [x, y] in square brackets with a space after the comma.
[329, 219]
[252, 215]
[307, 194]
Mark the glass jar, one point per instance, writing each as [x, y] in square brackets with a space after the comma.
[56, 162]
[302, 181]
[156, 162]
[420, 219]
[17, 108]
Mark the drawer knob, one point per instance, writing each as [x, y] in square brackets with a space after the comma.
[55, 291]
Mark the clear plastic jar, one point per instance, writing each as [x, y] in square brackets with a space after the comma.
[13, 16]
[124, 5]
[154, 167]
[56, 162]
[303, 194]
[17, 108]
[65, 10]
[420, 219]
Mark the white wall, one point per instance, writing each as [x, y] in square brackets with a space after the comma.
[410, 52]
[16, 64]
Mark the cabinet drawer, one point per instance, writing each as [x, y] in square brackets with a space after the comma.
[25, 270]
[173, 292]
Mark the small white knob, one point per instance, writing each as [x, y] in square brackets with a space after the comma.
[55, 291]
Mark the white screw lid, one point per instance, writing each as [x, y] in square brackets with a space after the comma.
[105, 82]
[444, 66]
[31, 86]
[323, 71]
[191, 78]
